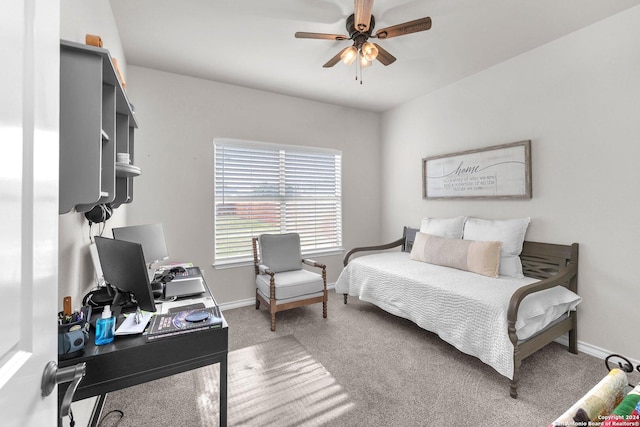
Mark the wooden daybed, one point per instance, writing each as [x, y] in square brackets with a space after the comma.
[550, 264]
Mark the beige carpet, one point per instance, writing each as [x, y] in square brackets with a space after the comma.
[276, 383]
[358, 367]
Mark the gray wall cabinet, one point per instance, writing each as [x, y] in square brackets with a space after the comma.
[97, 122]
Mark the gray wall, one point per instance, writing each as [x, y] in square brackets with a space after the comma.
[179, 118]
[577, 99]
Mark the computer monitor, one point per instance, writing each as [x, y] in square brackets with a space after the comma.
[150, 236]
[124, 268]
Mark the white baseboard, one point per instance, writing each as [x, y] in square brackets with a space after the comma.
[237, 304]
[592, 350]
[251, 301]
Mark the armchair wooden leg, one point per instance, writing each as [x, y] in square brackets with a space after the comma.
[273, 322]
[345, 297]
[257, 304]
[324, 309]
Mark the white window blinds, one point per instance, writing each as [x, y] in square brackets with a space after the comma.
[267, 188]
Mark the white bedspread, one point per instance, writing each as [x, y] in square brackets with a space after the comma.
[465, 309]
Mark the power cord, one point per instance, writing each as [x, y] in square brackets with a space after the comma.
[101, 227]
[108, 414]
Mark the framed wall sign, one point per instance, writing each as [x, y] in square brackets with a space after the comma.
[496, 172]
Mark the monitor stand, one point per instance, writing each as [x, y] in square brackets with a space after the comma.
[120, 301]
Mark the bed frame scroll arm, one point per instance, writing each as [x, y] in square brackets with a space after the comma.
[405, 242]
[391, 245]
[399, 242]
[567, 277]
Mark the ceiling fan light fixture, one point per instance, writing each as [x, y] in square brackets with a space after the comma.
[369, 51]
[359, 26]
[364, 62]
[349, 55]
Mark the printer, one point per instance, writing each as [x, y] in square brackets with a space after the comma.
[183, 287]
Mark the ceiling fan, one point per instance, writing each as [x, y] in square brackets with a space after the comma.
[360, 27]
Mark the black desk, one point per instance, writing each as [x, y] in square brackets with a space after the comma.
[131, 360]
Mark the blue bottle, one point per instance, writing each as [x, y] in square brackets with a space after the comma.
[105, 327]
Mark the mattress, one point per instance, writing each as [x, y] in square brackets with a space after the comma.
[467, 310]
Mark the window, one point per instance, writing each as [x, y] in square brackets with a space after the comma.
[267, 188]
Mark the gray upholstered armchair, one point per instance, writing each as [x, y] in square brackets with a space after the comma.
[281, 281]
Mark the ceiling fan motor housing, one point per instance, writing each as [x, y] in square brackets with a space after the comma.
[357, 36]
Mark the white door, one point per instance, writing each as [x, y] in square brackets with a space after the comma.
[29, 110]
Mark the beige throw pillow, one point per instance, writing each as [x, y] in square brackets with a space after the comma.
[468, 255]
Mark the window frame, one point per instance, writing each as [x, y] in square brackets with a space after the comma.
[224, 263]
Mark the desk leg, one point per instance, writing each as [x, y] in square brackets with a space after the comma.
[223, 392]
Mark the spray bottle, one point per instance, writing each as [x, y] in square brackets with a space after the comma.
[105, 327]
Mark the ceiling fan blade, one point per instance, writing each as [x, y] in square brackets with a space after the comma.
[362, 14]
[383, 56]
[305, 35]
[333, 61]
[421, 24]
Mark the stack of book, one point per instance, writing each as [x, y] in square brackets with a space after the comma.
[183, 322]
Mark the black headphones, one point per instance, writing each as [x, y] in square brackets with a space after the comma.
[99, 297]
[165, 276]
[99, 213]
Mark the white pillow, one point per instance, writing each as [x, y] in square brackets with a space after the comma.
[540, 309]
[508, 231]
[450, 228]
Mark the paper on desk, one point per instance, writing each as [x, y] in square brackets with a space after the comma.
[130, 327]
[174, 265]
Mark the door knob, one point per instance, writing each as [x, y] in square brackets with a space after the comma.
[53, 375]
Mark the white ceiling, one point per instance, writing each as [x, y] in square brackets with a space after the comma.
[251, 43]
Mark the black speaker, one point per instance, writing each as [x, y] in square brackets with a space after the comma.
[99, 213]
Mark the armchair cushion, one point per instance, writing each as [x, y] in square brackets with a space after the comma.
[281, 252]
[291, 284]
